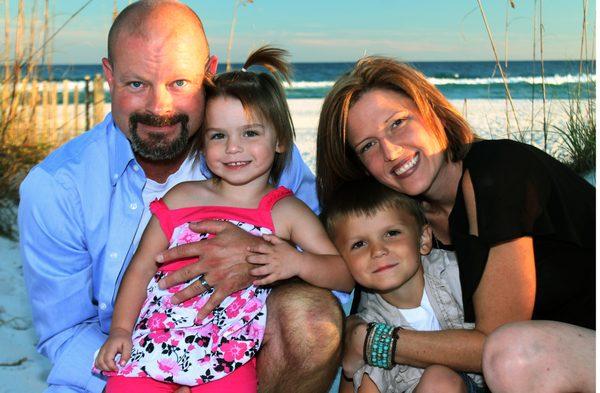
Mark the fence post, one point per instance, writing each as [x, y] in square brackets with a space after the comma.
[98, 99]
[87, 102]
[65, 112]
[75, 111]
[11, 114]
[16, 111]
[54, 111]
[45, 112]
[21, 112]
[5, 96]
[33, 104]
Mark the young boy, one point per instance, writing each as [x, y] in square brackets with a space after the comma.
[382, 236]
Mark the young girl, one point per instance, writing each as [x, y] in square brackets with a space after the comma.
[246, 138]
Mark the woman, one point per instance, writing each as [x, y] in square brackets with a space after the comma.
[521, 223]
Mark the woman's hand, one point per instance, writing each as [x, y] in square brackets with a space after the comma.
[118, 342]
[278, 260]
[222, 260]
[353, 358]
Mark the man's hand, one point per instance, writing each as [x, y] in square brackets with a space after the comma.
[356, 332]
[118, 342]
[222, 260]
[279, 260]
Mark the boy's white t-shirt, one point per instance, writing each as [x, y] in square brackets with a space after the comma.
[421, 318]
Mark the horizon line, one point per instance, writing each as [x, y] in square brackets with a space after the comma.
[403, 61]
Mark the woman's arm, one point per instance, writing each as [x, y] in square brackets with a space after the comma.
[506, 293]
[457, 349]
[319, 264]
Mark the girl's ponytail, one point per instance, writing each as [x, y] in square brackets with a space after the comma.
[273, 59]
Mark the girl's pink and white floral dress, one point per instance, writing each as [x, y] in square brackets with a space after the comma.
[167, 344]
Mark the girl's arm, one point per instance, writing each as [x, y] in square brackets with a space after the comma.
[132, 291]
[130, 297]
[319, 264]
[506, 293]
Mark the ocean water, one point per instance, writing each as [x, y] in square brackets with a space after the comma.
[457, 80]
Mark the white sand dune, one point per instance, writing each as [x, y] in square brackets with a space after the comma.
[23, 370]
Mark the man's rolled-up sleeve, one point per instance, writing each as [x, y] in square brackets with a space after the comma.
[298, 178]
[58, 275]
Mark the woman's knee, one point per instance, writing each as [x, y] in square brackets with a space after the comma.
[437, 378]
[544, 355]
[507, 355]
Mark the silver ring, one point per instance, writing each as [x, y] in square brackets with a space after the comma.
[205, 284]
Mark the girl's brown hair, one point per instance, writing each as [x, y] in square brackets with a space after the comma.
[336, 160]
[261, 94]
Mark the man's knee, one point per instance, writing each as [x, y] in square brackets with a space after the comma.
[307, 321]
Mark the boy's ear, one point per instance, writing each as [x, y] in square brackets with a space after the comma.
[426, 240]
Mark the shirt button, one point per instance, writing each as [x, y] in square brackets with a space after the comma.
[113, 255]
[136, 167]
[102, 306]
[133, 206]
[116, 176]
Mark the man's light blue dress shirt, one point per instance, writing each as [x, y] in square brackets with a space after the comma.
[79, 212]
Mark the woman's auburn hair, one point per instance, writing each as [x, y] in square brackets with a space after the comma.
[337, 161]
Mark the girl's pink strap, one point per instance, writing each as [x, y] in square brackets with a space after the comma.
[159, 208]
[267, 202]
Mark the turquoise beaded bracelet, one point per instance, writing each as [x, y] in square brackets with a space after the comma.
[380, 345]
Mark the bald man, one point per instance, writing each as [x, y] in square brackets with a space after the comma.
[83, 210]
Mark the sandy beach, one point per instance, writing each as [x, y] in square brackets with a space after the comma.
[23, 370]
[488, 118]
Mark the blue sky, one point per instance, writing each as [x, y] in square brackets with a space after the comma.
[344, 30]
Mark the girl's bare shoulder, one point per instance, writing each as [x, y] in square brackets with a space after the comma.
[188, 194]
[290, 211]
[290, 205]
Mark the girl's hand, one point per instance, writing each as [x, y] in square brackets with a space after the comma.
[278, 258]
[356, 333]
[118, 342]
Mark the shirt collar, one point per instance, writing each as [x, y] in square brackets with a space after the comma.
[120, 152]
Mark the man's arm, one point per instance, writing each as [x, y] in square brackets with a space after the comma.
[58, 275]
[298, 178]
